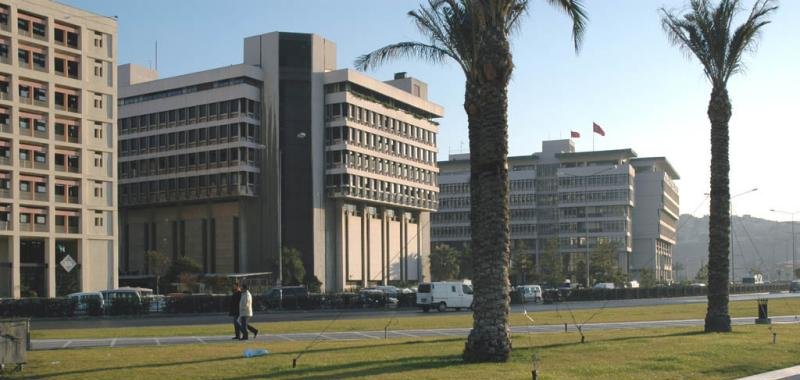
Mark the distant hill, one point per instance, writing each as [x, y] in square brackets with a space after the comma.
[758, 244]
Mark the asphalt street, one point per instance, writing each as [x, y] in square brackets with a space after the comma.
[280, 316]
[60, 344]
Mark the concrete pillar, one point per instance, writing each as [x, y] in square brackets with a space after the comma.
[364, 246]
[50, 266]
[15, 260]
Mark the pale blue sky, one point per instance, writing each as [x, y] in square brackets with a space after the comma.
[644, 92]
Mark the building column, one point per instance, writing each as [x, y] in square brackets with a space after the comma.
[86, 263]
[364, 246]
[15, 261]
[50, 265]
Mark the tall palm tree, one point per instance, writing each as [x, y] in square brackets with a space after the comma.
[475, 35]
[706, 32]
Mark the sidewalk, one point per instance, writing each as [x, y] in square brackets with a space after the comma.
[791, 373]
[60, 344]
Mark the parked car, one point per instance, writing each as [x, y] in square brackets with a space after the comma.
[632, 284]
[530, 293]
[444, 295]
[604, 285]
[794, 287]
[84, 299]
[286, 294]
[390, 291]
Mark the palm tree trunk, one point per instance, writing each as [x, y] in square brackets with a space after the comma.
[719, 112]
[487, 106]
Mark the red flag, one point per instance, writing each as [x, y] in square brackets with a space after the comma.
[596, 128]
[574, 134]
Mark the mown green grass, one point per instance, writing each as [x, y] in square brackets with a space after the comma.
[430, 321]
[677, 353]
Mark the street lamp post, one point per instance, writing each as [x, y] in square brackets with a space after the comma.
[299, 136]
[794, 241]
[730, 225]
[586, 215]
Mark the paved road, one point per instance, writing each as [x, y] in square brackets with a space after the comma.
[59, 344]
[204, 319]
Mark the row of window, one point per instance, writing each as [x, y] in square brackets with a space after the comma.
[594, 227]
[361, 186]
[596, 196]
[450, 217]
[63, 99]
[183, 183]
[31, 25]
[593, 241]
[177, 140]
[357, 137]
[595, 181]
[68, 129]
[191, 161]
[454, 188]
[381, 166]
[379, 121]
[595, 212]
[181, 116]
[374, 96]
[191, 89]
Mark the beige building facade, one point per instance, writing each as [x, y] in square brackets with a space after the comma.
[227, 165]
[58, 192]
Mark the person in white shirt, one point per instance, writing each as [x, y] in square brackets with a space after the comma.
[246, 312]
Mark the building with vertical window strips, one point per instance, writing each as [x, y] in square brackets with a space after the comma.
[576, 199]
[58, 217]
[227, 165]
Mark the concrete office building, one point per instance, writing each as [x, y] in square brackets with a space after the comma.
[201, 154]
[58, 218]
[577, 199]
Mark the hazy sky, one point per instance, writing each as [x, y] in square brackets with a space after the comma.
[645, 93]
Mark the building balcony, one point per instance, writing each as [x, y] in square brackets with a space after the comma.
[61, 229]
[5, 160]
[6, 193]
[6, 226]
[5, 95]
[67, 199]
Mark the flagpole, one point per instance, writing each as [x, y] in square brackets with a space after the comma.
[593, 139]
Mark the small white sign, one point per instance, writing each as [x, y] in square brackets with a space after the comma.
[68, 263]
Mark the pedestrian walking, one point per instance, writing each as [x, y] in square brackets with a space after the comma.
[245, 313]
[236, 297]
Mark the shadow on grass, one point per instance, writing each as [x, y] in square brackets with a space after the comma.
[130, 367]
[388, 343]
[620, 339]
[307, 369]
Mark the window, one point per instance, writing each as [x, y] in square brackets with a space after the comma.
[40, 125]
[24, 186]
[39, 29]
[41, 187]
[98, 68]
[98, 160]
[24, 155]
[98, 189]
[98, 39]
[98, 101]
[41, 219]
[98, 221]
[24, 218]
[98, 131]
[39, 61]
[72, 39]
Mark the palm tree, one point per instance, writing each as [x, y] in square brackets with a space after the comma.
[475, 34]
[706, 33]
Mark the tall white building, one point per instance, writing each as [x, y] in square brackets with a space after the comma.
[58, 193]
[577, 199]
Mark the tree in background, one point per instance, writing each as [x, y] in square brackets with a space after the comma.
[181, 267]
[552, 267]
[157, 264]
[677, 269]
[702, 274]
[647, 278]
[522, 263]
[465, 262]
[294, 272]
[580, 272]
[444, 263]
[705, 31]
[604, 266]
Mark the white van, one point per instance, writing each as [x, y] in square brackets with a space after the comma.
[530, 293]
[445, 294]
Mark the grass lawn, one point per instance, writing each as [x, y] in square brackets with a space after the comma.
[433, 320]
[676, 353]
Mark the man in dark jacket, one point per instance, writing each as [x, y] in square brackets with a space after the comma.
[234, 309]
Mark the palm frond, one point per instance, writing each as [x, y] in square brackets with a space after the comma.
[399, 50]
[577, 13]
[746, 35]
[685, 34]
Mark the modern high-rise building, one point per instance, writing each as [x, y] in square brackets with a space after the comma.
[227, 165]
[58, 193]
[577, 199]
